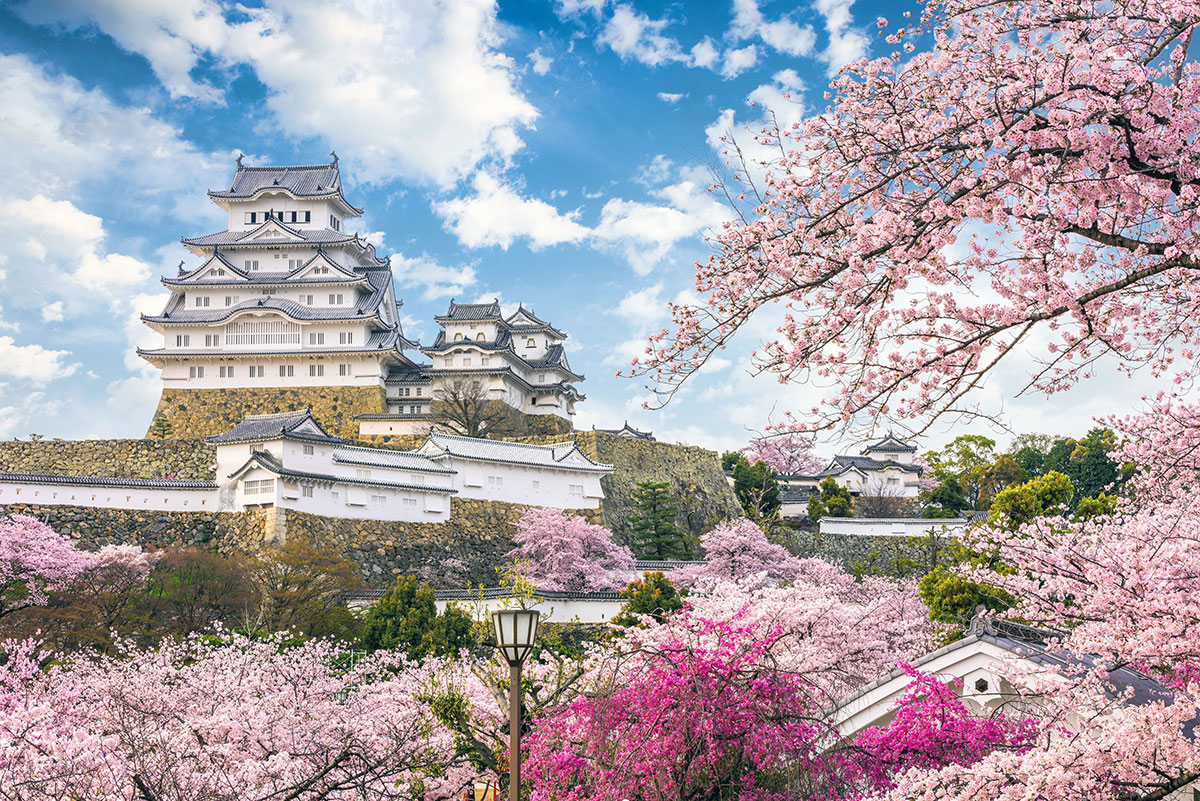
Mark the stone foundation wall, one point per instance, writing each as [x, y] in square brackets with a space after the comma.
[197, 413]
[92, 528]
[888, 556]
[123, 458]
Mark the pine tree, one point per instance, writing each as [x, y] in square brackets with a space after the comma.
[161, 427]
[652, 523]
[406, 618]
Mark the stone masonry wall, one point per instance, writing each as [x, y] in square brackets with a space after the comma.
[123, 458]
[197, 413]
[891, 556]
[467, 548]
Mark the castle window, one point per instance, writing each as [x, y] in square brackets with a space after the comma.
[212, 340]
[405, 391]
[335, 300]
[219, 271]
[466, 361]
[226, 372]
[251, 264]
[346, 338]
[316, 339]
[270, 291]
[530, 343]
[251, 218]
[412, 409]
[183, 340]
[495, 481]
[410, 503]
[479, 337]
[267, 332]
[308, 450]
[259, 487]
[232, 300]
[306, 299]
[295, 264]
[287, 370]
[343, 369]
[458, 337]
[320, 271]
[315, 370]
[575, 489]
[379, 499]
[195, 372]
[541, 378]
[306, 490]
[257, 371]
[418, 392]
[201, 301]
[362, 473]
[308, 216]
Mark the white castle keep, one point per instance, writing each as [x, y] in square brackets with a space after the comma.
[285, 298]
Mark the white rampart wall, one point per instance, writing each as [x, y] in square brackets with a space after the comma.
[535, 486]
[153, 499]
[891, 526]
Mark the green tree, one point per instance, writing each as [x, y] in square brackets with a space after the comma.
[756, 490]
[953, 599]
[1004, 472]
[946, 499]
[967, 458]
[653, 594]
[1058, 458]
[830, 500]
[652, 522]
[1101, 505]
[160, 427]
[1045, 495]
[730, 459]
[406, 618]
[1090, 467]
[1030, 459]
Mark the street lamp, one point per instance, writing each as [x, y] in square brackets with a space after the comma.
[516, 632]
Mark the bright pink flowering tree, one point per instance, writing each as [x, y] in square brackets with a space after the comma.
[786, 453]
[34, 560]
[565, 552]
[1033, 175]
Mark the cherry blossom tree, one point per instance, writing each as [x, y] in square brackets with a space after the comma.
[786, 453]
[1025, 187]
[221, 720]
[34, 560]
[565, 552]
[739, 551]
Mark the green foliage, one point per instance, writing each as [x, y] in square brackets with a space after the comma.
[1058, 458]
[730, 460]
[756, 489]
[1100, 506]
[1030, 459]
[652, 523]
[302, 588]
[653, 594]
[968, 458]
[831, 500]
[1000, 474]
[946, 500]
[1045, 495]
[953, 599]
[1090, 467]
[161, 427]
[406, 618]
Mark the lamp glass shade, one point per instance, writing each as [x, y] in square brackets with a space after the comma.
[516, 633]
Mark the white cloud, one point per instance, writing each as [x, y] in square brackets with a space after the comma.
[705, 53]
[539, 62]
[736, 62]
[497, 215]
[670, 97]
[565, 8]
[781, 98]
[417, 89]
[432, 279]
[634, 35]
[783, 34]
[53, 312]
[33, 362]
[845, 43]
[642, 306]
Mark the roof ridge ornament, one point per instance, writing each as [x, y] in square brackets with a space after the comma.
[241, 156]
[335, 157]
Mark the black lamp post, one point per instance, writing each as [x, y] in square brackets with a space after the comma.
[516, 632]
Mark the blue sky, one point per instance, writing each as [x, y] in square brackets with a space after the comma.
[552, 153]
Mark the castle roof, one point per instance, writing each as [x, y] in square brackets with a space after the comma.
[889, 444]
[561, 455]
[115, 482]
[307, 181]
[864, 464]
[628, 431]
[386, 457]
[459, 312]
[283, 235]
[272, 465]
[524, 321]
[298, 424]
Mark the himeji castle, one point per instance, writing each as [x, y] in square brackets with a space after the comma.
[284, 309]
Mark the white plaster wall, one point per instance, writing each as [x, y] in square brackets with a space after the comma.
[321, 209]
[476, 480]
[162, 500]
[365, 371]
[891, 527]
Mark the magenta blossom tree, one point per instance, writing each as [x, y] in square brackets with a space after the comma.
[740, 551]
[565, 552]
